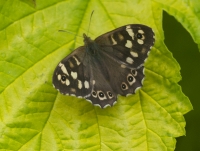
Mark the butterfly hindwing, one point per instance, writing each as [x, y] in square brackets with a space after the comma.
[110, 65]
[102, 93]
[112, 81]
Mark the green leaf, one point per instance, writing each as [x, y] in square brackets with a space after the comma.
[34, 116]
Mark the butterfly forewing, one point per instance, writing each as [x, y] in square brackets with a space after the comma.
[112, 64]
[72, 75]
[130, 44]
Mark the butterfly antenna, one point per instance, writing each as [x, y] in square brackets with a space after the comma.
[90, 21]
[69, 33]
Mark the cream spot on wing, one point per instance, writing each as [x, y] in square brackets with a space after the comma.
[73, 90]
[134, 54]
[130, 31]
[140, 41]
[113, 40]
[86, 84]
[129, 60]
[120, 37]
[123, 66]
[77, 62]
[60, 64]
[67, 82]
[74, 75]
[128, 44]
[140, 31]
[143, 51]
[71, 64]
[64, 70]
[59, 77]
[80, 84]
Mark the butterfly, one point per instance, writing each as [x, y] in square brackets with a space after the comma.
[106, 67]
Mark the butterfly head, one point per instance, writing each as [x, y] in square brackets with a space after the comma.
[87, 40]
[90, 45]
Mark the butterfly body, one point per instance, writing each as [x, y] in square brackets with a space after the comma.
[111, 64]
[91, 47]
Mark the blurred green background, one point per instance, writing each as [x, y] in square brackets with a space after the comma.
[186, 52]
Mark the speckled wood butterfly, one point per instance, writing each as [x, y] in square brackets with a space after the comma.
[111, 64]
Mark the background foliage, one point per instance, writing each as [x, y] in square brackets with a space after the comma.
[182, 46]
